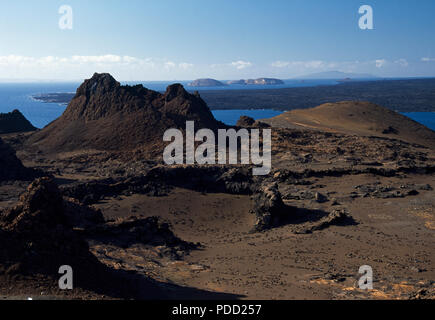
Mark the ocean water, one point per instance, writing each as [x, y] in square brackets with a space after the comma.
[19, 96]
[425, 118]
[162, 85]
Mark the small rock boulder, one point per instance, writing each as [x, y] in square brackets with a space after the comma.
[268, 206]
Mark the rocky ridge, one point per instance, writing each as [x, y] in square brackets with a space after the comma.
[104, 115]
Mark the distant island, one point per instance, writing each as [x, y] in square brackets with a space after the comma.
[62, 98]
[259, 81]
[338, 75]
[206, 82]
[406, 95]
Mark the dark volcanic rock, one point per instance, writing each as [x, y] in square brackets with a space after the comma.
[268, 206]
[81, 216]
[390, 130]
[377, 190]
[336, 217]
[161, 179]
[14, 122]
[104, 115]
[245, 121]
[93, 191]
[36, 237]
[207, 178]
[11, 167]
[320, 198]
[248, 122]
[149, 231]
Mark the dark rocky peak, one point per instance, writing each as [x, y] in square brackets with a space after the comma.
[107, 116]
[11, 167]
[40, 207]
[182, 106]
[103, 96]
[99, 83]
[175, 90]
[245, 121]
[248, 122]
[14, 122]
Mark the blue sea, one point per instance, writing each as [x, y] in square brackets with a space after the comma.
[425, 118]
[19, 96]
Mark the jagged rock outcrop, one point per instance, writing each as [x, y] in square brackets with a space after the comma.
[11, 167]
[245, 121]
[150, 231]
[36, 237]
[206, 178]
[105, 115]
[248, 122]
[14, 122]
[268, 206]
[161, 179]
[44, 231]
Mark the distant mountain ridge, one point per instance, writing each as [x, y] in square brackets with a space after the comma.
[259, 81]
[208, 82]
[337, 75]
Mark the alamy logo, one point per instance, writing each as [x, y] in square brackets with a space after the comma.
[66, 280]
[366, 280]
[205, 153]
[66, 20]
[366, 20]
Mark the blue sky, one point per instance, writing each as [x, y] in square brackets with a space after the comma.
[225, 39]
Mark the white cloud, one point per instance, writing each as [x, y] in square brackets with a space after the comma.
[169, 65]
[380, 63]
[185, 65]
[80, 66]
[15, 60]
[109, 58]
[20, 60]
[402, 62]
[128, 59]
[427, 59]
[313, 64]
[280, 64]
[240, 64]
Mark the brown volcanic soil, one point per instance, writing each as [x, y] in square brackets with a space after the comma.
[333, 202]
[359, 118]
[386, 186]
